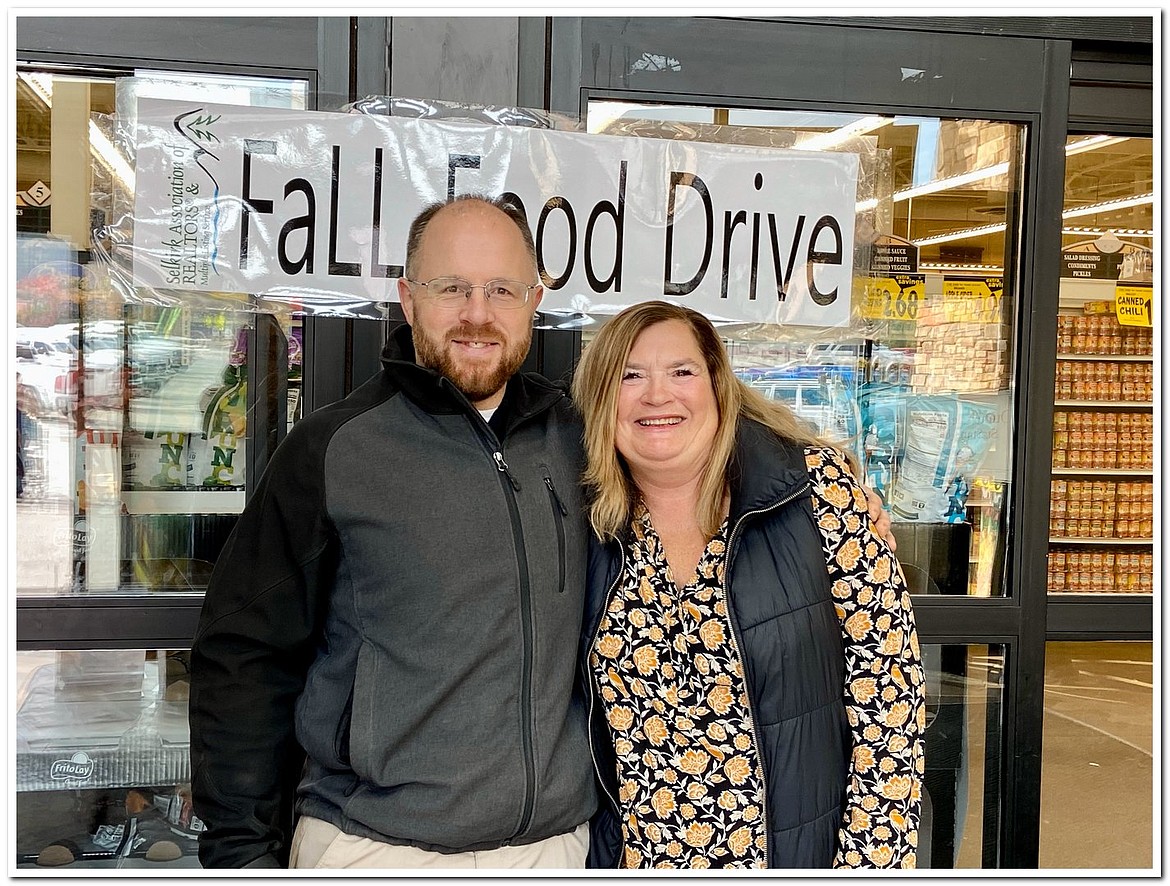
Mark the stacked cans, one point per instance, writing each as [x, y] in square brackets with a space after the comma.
[1103, 440]
[1104, 380]
[1101, 334]
[1101, 509]
[1088, 570]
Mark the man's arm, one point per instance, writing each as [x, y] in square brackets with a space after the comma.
[880, 517]
[257, 636]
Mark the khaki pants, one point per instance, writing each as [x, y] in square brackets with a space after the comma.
[318, 844]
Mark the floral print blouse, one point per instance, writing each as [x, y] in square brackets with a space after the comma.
[689, 778]
[666, 664]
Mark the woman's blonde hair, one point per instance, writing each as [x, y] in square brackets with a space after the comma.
[595, 390]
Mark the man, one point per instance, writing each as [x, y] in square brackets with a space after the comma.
[402, 599]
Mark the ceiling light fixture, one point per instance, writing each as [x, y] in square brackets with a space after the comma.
[961, 235]
[954, 181]
[822, 140]
[1109, 206]
[101, 147]
[1092, 143]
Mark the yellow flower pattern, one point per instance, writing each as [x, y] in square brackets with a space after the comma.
[689, 773]
[884, 684]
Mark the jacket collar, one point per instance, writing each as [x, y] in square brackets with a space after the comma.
[764, 469]
[527, 394]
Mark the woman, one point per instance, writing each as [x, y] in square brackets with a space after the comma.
[755, 686]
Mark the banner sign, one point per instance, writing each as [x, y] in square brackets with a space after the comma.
[893, 298]
[1134, 305]
[314, 207]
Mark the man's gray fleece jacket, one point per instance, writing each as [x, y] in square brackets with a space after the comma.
[390, 632]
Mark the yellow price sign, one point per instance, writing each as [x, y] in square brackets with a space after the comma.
[977, 300]
[893, 298]
[1134, 305]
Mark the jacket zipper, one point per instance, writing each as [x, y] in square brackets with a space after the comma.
[559, 513]
[736, 642]
[526, 717]
[617, 812]
[528, 731]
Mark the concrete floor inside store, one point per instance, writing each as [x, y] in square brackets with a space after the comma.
[1097, 800]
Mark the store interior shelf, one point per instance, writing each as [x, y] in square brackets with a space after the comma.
[1109, 358]
[1070, 540]
[1104, 472]
[1128, 595]
[1109, 404]
[184, 501]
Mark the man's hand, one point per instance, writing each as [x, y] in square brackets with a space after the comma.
[880, 517]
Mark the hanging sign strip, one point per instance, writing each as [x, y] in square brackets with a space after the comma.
[314, 207]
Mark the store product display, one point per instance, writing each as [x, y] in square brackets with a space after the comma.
[1101, 526]
[1098, 332]
[1103, 440]
[1101, 509]
[1097, 570]
[961, 355]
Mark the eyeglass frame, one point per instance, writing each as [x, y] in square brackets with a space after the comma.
[471, 287]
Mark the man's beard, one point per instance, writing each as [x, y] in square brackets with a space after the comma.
[474, 382]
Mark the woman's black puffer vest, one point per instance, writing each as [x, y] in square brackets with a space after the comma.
[784, 623]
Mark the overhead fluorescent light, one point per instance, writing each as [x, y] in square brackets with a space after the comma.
[823, 140]
[110, 157]
[954, 181]
[961, 235]
[1092, 143]
[1109, 206]
[41, 85]
[101, 147]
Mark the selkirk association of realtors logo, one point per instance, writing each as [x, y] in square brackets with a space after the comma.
[79, 766]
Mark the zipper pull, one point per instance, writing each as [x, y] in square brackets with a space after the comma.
[502, 467]
[549, 483]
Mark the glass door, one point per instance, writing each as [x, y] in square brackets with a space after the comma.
[1099, 678]
[919, 388]
[142, 418]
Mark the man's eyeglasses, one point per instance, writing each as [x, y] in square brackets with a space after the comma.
[451, 291]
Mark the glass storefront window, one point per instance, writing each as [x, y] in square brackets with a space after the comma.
[132, 423]
[1101, 510]
[102, 767]
[964, 729]
[919, 386]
